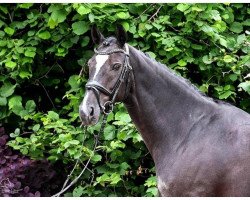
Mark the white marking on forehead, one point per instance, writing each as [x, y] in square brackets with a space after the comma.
[100, 60]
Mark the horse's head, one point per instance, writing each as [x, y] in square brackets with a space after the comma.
[108, 75]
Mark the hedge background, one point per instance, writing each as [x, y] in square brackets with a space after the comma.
[43, 49]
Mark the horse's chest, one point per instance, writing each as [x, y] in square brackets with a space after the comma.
[185, 179]
[176, 188]
[163, 186]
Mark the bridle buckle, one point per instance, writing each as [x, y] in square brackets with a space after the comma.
[107, 107]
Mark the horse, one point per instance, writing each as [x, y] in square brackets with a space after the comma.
[200, 146]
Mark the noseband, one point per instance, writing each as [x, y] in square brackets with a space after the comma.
[96, 87]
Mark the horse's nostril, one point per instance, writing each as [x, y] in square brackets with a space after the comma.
[91, 111]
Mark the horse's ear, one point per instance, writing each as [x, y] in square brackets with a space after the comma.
[121, 35]
[96, 35]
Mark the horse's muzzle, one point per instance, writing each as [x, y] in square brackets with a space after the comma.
[89, 112]
[87, 119]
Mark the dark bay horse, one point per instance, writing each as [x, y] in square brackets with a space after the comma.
[200, 147]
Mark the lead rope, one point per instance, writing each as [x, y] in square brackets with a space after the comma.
[101, 131]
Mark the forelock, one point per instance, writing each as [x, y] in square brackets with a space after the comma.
[108, 44]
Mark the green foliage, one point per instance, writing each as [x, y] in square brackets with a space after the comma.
[44, 46]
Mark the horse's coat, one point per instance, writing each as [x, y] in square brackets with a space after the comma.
[200, 147]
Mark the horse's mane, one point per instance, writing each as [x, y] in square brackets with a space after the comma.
[187, 81]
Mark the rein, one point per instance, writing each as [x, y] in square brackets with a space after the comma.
[65, 186]
[96, 87]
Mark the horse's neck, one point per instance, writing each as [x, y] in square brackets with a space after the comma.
[163, 106]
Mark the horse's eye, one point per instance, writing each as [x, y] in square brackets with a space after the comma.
[116, 66]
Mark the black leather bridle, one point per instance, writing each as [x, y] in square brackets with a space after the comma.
[96, 87]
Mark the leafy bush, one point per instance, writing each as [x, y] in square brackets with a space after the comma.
[20, 176]
[45, 46]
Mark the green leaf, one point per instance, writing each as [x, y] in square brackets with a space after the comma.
[125, 25]
[233, 77]
[207, 29]
[65, 137]
[228, 58]
[124, 166]
[195, 8]
[227, 87]
[220, 26]
[29, 53]
[16, 133]
[182, 7]
[15, 104]
[151, 181]
[20, 139]
[30, 106]
[117, 144]
[241, 39]
[245, 86]
[151, 54]
[24, 151]
[246, 22]
[78, 191]
[236, 27]
[215, 15]
[53, 158]
[102, 179]
[9, 31]
[124, 117]
[182, 63]
[7, 89]
[53, 115]
[115, 178]
[91, 17]
[74, 142]
[71, 142]
[4, 8]
[73, 82]
[74, 39]
[3, 101]
[83, 10]
[80, 27]
[25, 74]
[223, 42]
[122, 136]
[109, 132]
[36, 127]
[225, 95]
[52, 23]
[153, 191]
[96, 158]
[85, 41]
[196, 46]
[148, 26]
[59, 15]
[44, 35]
[206, 60]
[156, 34]
[3, 43]
[122, 15]
[10, 64]
[25, 5]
